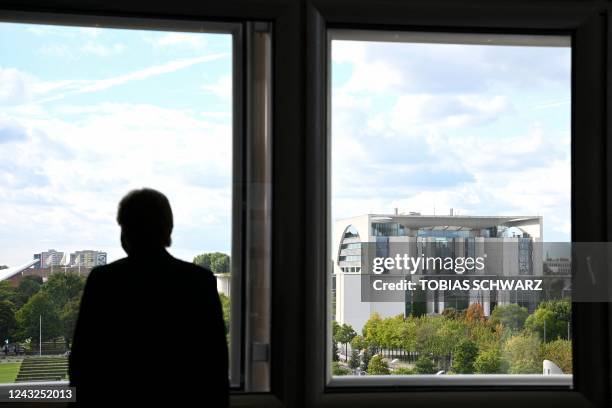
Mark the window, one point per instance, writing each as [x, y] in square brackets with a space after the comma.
[447, 148]
[90, 113]
[287, 252]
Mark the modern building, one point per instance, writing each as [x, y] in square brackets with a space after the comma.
[87, 258]
[47, 259]
[558, 266]
[559, 277]
[507, 241]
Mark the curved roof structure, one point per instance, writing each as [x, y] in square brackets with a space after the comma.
[10, 272]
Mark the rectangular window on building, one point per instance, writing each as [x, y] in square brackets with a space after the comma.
[450, 165]
[89, 114]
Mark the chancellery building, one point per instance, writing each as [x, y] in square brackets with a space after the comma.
[510, 245]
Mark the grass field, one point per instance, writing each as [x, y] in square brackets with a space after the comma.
[8, 372]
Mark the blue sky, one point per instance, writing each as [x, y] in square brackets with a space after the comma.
[87, 114]
[483, 129]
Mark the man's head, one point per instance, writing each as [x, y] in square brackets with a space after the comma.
[146, 223]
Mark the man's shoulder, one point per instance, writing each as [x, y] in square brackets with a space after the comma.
[101, 271]
[196, 271]
[115, 265]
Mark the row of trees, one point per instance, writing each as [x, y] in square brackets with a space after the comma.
[217, 262]
[509, 341]
[56, 301]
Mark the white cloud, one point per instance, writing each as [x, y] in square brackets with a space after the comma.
[14, 89]
[111, 149]
[47, 91]
[221, 88]
[424, 127]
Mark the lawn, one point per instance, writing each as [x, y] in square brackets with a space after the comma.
[8, 372]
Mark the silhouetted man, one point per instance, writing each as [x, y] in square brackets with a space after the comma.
[132, 306]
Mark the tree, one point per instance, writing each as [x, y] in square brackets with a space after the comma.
[425, 365]
[371, 329]
[378, 366]
[335, 356]
[511, 316]
[7, 292]
[358, 343]
[63, 288]
[475, 313]
[522, 351]
[217, 262]
[8, 323]
[225, 306]
[451, 313]
[344, 335]
[68, 317]
[489, 361]
[335, 328]
[355, 360]
[335, 331]
[28, 287]
[365, 358]
[220, 264]
[559, 352]
[464, 356]
[550, 320]
[28, 316]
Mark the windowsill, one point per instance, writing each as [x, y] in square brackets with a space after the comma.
[556, 380]
[37, 383]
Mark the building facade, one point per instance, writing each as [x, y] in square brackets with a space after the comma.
[87, 258]
[48, 258]
[506, 242]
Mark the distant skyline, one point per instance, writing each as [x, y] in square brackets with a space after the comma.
[482, 129]
[87, 114]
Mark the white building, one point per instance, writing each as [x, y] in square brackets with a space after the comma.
[224, 281]
[451, 234]
[87, 258]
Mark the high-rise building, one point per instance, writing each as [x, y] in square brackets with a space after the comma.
[48, 259]
[87, 258]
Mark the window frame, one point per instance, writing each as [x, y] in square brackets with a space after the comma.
[299, 199]
[432, 36]
[585, 25]
[241, 172]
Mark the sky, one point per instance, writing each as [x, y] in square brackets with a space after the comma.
[87, 114]
[482, 129]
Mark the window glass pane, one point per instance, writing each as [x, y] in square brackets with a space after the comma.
[87, 115]
[449, 147]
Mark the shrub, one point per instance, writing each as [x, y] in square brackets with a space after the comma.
[511, 316]
[403, 371]
[378, 366]
[475, 313]
[489, 361]
[425, 365]
[559, 352]
[338, 369]
[523, 354]
[464, 356]
[355, 360]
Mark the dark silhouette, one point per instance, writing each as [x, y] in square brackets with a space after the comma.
[132, 307]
